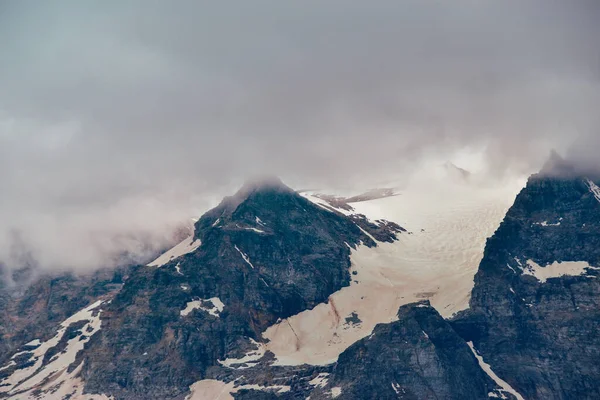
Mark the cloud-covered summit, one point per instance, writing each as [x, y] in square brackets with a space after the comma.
[126, 117]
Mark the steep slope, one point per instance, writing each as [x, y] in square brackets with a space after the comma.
[436, 259]
[534, 313]
[260, 256]
[278, 295]
[417, 357]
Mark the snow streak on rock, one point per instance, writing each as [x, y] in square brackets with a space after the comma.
[188, 245]
[245, 257]
[488, 370]
[594, 189]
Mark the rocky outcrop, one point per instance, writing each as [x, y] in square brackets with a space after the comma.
[263, 254]
[417, 357]
[533, 316]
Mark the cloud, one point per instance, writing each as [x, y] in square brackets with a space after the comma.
[108, 105]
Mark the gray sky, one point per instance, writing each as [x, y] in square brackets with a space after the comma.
[119, 119]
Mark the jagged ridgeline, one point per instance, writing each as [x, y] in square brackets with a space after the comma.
[193, 323]
[535, 309]
[264, 254]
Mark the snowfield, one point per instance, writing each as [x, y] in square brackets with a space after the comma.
[448, 224]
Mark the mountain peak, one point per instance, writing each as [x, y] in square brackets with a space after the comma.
[558, 167]
[455, 171]
[258, 184]
[263, 182]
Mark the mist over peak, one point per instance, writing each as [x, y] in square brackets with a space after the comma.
[562, 167]
[119, 122]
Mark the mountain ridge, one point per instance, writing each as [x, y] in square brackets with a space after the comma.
[193, 325]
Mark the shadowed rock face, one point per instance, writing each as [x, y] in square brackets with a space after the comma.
[417, 357]
[541, 337]
[266, 253]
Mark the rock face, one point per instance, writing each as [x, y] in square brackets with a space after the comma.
[417, 357]
[31, 311]
[263, 254]
[534, 313]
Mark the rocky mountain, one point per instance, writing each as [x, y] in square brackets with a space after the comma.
[286, 295]
[262, 255]
[534, 312]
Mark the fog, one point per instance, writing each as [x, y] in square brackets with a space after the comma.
[121, 120]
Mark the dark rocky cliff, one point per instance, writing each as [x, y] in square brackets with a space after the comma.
[417, 357]
[543, 337]
[266, 253]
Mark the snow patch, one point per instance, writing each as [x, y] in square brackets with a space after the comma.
[335, 392]
[215, 310]
[188, 245]
[397, 388]
[34, 342]
[178, 268]
[546, 223]
[320, 381]
[250, 359]
[556, 269]
[488, 370]
[219, 390]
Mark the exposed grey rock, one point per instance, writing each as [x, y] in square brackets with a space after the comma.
[266, 253]
[417, 357]
[541, 337]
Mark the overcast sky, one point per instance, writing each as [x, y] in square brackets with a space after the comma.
[126, 117]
